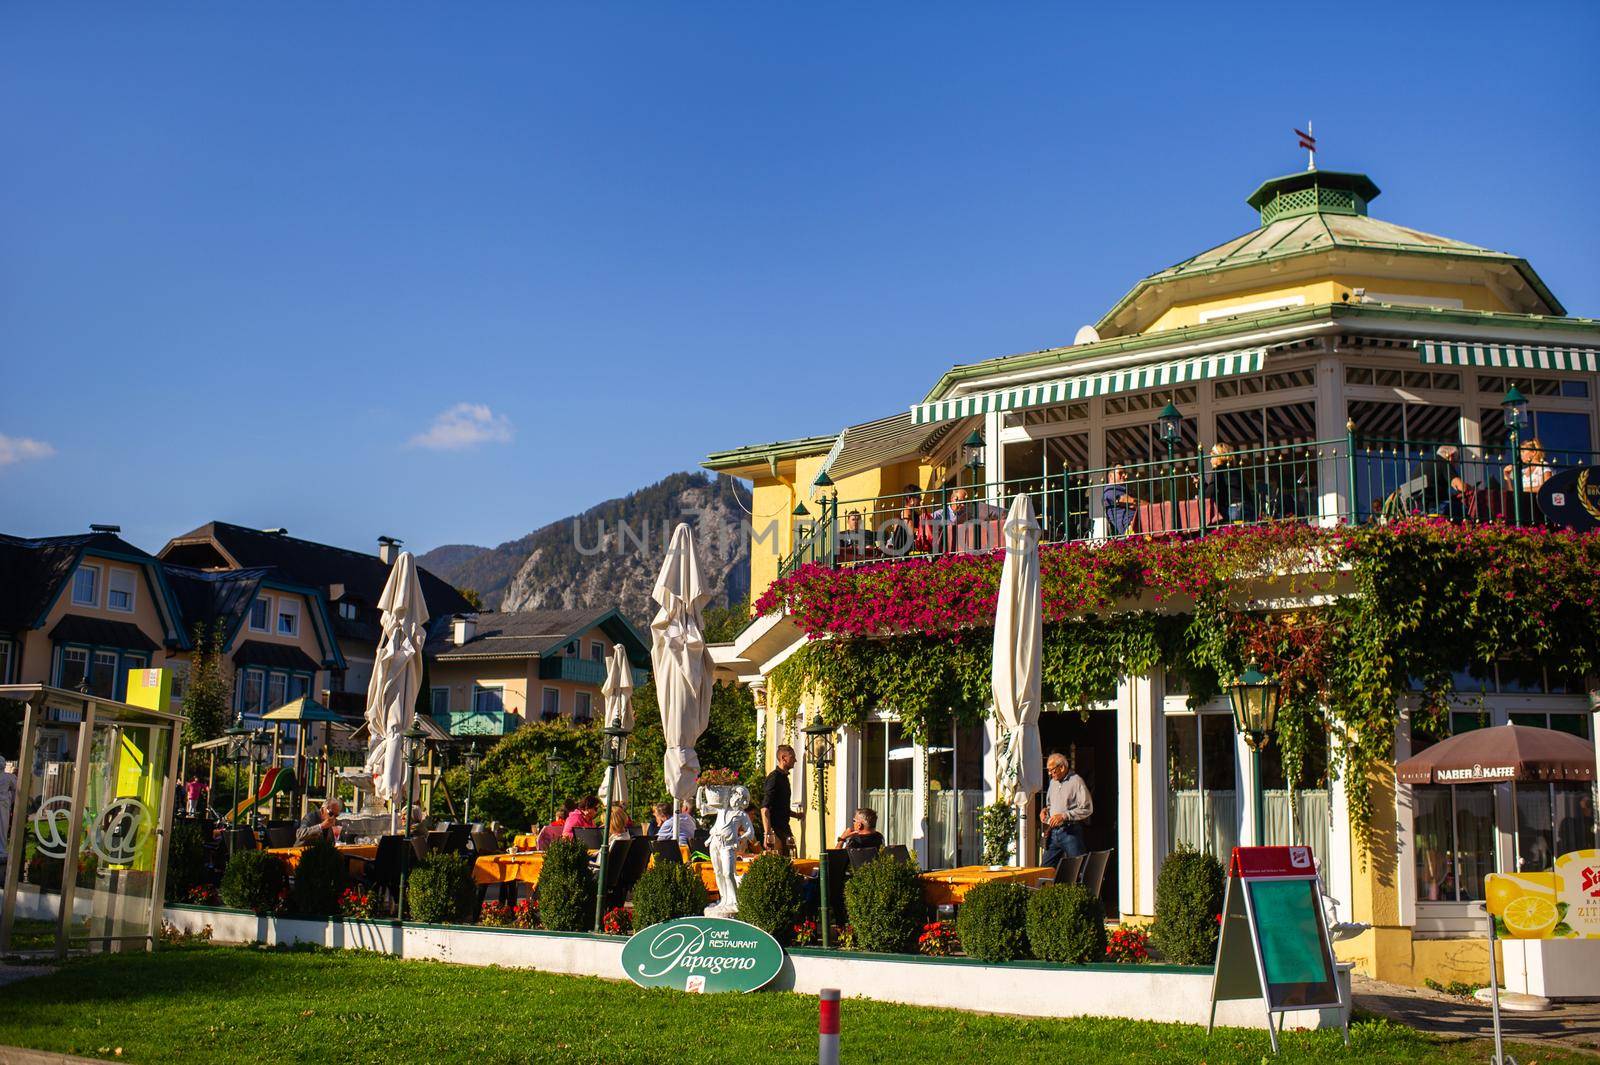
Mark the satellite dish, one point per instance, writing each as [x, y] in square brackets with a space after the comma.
[1086, 335]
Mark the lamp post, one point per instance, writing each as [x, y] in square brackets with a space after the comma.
[819, 749]
[830, 513]
[415, 741]
[1516, 408]
[616, 736]
[260, 749]
[1255, 699]
[238, 738]
[1171, 422]
[972, 447]
[470, 760]
[551, 764]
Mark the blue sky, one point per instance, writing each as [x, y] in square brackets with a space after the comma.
[449, 272]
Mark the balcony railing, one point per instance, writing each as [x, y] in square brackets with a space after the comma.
[1353, 479]
[582, 670]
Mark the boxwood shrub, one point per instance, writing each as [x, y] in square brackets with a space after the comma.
[254, 881]
[1188, 900]
[1066, 924]
[992, 922]
[884, 900]
[770, 896]
[668, 890]
[186, 860]
[440, 890]
[566, 888]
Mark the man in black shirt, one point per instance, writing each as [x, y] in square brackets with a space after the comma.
[775, 834]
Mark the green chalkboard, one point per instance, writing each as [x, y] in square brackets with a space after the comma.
[1294, 949]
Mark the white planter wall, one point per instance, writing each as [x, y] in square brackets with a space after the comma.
[1552, 968]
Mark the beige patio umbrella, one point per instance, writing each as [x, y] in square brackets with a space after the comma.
[681, 662]
[1018, 639]
[396, 679]
[618, 694]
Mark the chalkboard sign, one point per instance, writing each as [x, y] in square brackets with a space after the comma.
[1274, 942]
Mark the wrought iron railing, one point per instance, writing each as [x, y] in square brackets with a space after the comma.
[1352, 479]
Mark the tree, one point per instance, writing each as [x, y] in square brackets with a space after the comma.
[472, 597]
[209, 691]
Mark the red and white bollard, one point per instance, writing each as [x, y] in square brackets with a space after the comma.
[828, 1027]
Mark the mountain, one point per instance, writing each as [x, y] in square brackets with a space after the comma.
[610, 553]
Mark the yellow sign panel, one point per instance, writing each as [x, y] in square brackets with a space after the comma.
[1561, 904]
[150, 688]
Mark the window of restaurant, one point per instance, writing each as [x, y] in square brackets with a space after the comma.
[1202, 782]
[886, 773]
[955, 795]
[1302, 815]
[1395, 463]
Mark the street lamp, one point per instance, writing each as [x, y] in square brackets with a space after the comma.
[972, 446]
[551, 764]
[1255, 698]
[260, 751]
[1516, 408]
[616, 741]
[819, 749]
[470, 759]
[1171, 427]
[238, 740]
[414, 740]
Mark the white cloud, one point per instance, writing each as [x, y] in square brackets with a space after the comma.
[17, 449]
[465, 425]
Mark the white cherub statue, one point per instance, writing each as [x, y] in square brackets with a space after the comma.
[731, 829]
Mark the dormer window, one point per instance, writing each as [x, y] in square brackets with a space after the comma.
[288, 617]
[86, 586]
[120, 585]
[259, 612]
[347, 610]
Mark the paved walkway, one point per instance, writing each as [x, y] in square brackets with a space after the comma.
[18, 1056]
[1574, 1025]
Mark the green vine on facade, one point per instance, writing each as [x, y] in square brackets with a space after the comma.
[1377, 617]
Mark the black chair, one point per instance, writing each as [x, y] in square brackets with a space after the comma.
[455, 841]
[898, 852]
[633, 864]
[395, 858]
[589, 837]
[700, 841]
[838, 860]
[240, 838]
[1094, 872]
[436, 838]
[278, 836]
[860, 856]
[616, 858]
[666, 850]
[1070, 870]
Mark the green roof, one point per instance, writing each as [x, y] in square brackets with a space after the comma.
[734, 458]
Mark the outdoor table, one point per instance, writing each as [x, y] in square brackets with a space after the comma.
[942, 887]
[708, 872]
[353, 852]
[526, 841]
[507, 869]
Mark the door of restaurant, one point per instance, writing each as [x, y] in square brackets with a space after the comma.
[1090, 744]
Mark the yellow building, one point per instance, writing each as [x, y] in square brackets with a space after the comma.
[1344, 357]
[488, 672]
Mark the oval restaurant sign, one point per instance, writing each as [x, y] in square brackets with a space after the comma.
[702, 954]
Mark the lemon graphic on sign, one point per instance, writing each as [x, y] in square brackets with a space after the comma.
[1531, 916]
[1505, 888]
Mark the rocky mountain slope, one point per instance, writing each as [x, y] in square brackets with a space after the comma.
[610, 553]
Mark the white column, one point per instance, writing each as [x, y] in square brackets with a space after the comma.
[1331, 420]
[1339, 872]
[1141, 828]
[846, 779]
[1246, 794]
[995, 456]
[919, 807]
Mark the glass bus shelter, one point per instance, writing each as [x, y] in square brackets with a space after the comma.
[87, 837]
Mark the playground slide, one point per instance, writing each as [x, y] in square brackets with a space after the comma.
[277, 781]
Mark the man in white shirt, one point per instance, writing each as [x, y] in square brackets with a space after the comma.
[681, 826]
[1067, 809]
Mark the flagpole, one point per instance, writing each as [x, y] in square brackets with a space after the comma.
[1311, 151]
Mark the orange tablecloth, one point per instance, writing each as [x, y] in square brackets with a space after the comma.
[527, 841]
[708, 872]
[950, 886]
[291, 855]
[507, 868]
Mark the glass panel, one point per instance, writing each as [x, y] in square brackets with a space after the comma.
[1574, 815]
[103, 673]
[277, 688]
[84, 589]
[298, 686]
[116, 862]
[1219, 776]
[74, 668]
[1305, 822]
[251, 703]
[1430, 813]
[1534, 828]
[886, 779]
[439, 703]
[1564, 435]
[1575, 389]
[1574, 724]
[1475, 849]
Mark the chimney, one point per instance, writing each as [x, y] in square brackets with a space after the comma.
[388, 549]
[113, 529]
[463, 628]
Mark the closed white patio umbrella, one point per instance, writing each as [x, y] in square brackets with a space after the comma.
[396, 679]
[618, 694]
[1018, 639]
[681, 662]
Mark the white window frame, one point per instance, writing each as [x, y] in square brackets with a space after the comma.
[498, 690]
[288, 607]
[61, 664]
[112, 590]
[275, 701]
[244, 687]
[433, 700]
[347, 611]
[544, 698]
[97, 658]
[94, 590]
[597, 651]
[266, 616]
[578, 700]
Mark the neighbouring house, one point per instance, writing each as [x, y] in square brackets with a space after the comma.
[351, 583]
[1325, 370]
[488, 672]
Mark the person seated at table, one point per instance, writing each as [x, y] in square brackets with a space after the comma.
[863, 831]
[582, 817]
[620, 824]
[1438, 487]
[319, 824]
[681, 826]
[419, 824]
[555, 829]
[1119, 503]
[1226, 488]
[1535, 467]
[853, 538]
[901, 534]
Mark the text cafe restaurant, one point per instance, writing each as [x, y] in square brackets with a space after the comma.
[1324, 370]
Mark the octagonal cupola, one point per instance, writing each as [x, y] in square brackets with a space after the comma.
[1313, 192]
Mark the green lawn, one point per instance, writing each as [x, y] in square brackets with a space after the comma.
[244, 1004]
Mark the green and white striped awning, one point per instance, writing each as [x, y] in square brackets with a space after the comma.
[1105, 383]
[1509, 356]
